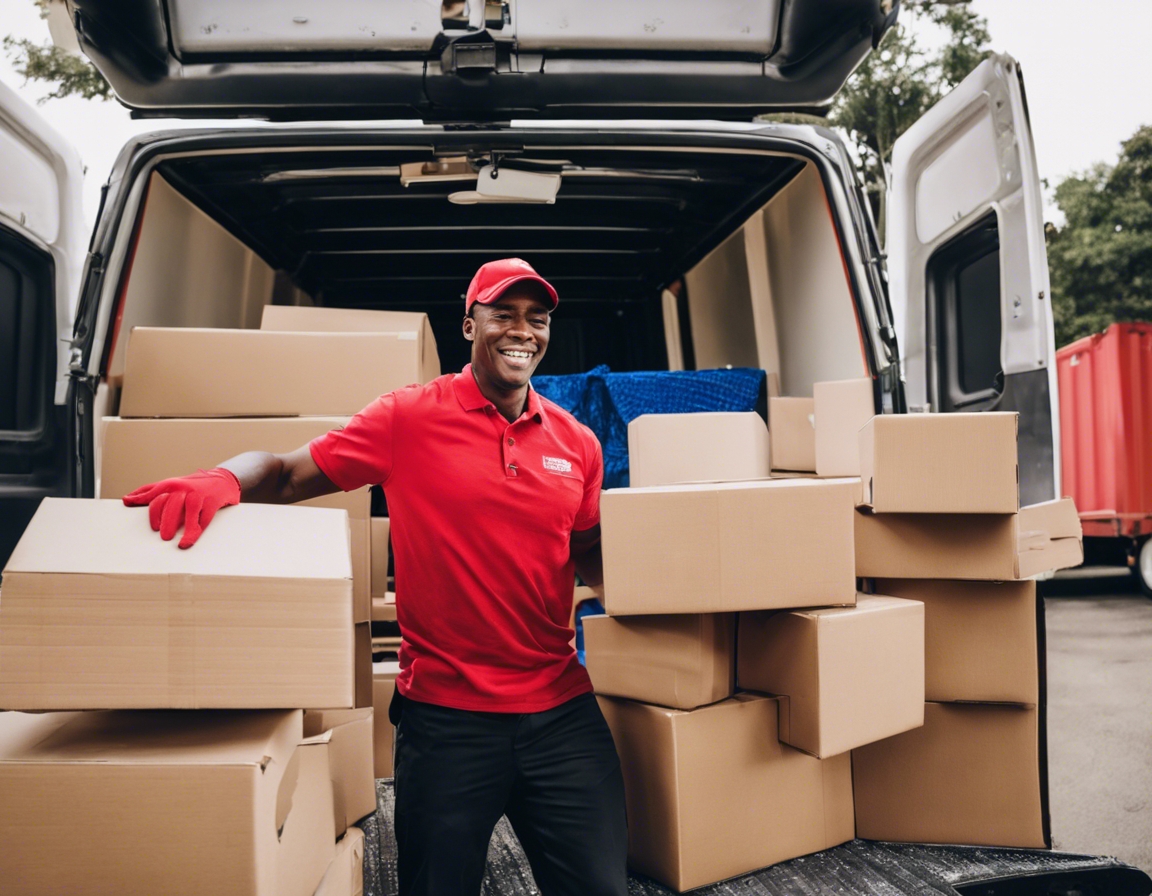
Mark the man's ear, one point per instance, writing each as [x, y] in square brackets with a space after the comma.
[469, 327]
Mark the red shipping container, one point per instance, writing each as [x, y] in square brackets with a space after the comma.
[1105, 386]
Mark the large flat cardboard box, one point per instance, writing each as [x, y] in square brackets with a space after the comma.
[713, 548]
[846, 676]
[109, 803]
[792, 430]
[940, 463]
[311, 319]
[842, 407]
[1040, 538]
[191, 372]
[972, 774]
[100, 613]
[345, 874]
[350, 759]
[682, 661]
[712, 793]
[381, 529]
[139, 451]
[384, 732]
[981, 639]
[664, 449]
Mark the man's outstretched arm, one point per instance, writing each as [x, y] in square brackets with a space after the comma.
[256, 476]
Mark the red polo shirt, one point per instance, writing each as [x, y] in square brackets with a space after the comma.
[482, 515]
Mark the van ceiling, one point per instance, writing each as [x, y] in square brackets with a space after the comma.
[625, 224]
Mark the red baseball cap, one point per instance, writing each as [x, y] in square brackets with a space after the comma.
[495, 277]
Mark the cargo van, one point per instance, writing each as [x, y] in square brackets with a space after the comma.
[612, 145]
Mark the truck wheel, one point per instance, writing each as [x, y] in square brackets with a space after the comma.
[1142, 569]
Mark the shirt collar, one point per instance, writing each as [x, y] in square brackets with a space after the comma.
[472, 399]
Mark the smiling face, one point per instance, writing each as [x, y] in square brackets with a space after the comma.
[509, 337]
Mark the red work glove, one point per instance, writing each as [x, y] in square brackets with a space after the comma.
[191, 500]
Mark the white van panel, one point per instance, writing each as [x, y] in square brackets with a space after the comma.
[723, 25]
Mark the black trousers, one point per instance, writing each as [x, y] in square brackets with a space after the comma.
[555, 774]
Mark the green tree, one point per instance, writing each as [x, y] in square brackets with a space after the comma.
[72, 75]
[901, 80]
[1100, 260]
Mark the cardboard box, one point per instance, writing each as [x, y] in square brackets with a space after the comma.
[345, 875]
[381, 528]
[350, 759]
[362, 664]
[981, 639]
[99, 613]
[996, 547]
[792, 430]
[664, 449]
[190, 372]
[310, 319]
[842, 407]
[384, 608]
[137, 452]
[384, 732]
[940, 463]
[109, 803]
[846, 676]
[712, 793]
[711, 548]
[973, 774]
[682, 661]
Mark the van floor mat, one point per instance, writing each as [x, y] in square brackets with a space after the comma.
[859, 868]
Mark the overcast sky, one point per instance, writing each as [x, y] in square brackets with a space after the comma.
[1087, 69]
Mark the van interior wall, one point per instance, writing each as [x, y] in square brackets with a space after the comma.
[775, 295]
[188, 272]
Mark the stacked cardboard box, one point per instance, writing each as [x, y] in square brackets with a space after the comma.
[101, 615]
[736, 646]
[720, 780]
[940, 523]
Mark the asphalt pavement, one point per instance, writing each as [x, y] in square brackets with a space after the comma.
[1100, 714]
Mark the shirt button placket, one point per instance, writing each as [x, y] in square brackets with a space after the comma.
[509, 457]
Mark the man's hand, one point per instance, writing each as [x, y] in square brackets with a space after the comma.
[188, 500]
[585, 547]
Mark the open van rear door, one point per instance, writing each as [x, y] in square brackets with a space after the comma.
[41, 250]
[967, 267]
[479, 60]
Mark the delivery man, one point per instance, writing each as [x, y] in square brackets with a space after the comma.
[494, 495]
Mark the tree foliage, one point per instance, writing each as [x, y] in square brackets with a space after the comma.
[901, 80]
[1100, 260]
[72, 75]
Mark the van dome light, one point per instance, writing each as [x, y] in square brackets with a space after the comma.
[510, 185]
[442, 170]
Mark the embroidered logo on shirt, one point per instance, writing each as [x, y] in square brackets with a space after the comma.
[557, 464]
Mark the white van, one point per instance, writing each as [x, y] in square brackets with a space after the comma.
[674, 241]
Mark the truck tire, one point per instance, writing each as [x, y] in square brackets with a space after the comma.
[1142, 568]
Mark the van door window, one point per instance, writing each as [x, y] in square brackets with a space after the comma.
[27, 357]
[964, 285]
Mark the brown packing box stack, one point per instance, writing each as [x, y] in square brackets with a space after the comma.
[189, 372]
[792, 434]
[1005, 546]
[99, 613]
[846, 676]
[345, 874]
[681, 661]
[408, 325]
[973, 774]
[110, 803]
[940, 463]
[708, 447]
[351, 759]
[841, 408]
[137, 452]
[719, 547]
[712, 793]
[982, 640]
[380, 531]
[384, 732]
